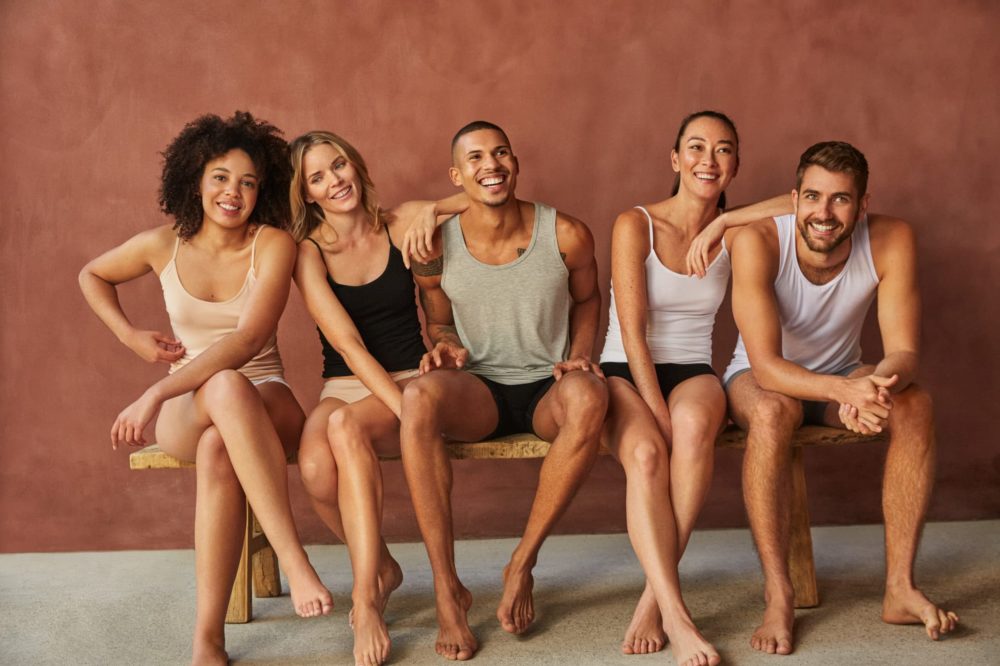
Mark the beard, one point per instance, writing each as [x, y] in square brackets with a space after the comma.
[824, 246]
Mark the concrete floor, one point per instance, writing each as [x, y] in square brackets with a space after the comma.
[138, 607]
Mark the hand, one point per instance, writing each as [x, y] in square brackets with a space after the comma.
[578, 363]
[865, 403]
[444, 356]
[133, 420]
[418, 241]
[702, 244]
[662, 417]
[155, 347]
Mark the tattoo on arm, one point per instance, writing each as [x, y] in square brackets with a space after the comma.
[430, 269]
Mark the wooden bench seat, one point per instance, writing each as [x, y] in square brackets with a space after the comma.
[259, 567]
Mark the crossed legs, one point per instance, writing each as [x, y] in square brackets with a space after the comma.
[239, 435]
[770, 420]
[657, 490]
[339, 463]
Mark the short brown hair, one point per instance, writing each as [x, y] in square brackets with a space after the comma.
[838, 157]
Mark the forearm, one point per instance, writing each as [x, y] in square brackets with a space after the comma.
[373, 376]
[743, 215]
[780, 376]
[640, 364]
[584, 317]
[903, 363]
[230, 353]
[443, 333]
[102, 297]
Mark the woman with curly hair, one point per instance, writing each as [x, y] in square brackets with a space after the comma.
[225, 266]
[352, 273]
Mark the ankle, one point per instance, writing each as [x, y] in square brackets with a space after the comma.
[779, 593]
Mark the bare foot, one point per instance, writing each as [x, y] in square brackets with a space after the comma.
[910, 606]
[517, 607]
[309, 596]
[390, 578]
[455, 640]
[687, 644]
[645, 632]
[209, 653]
[774, 635]
[371, 638]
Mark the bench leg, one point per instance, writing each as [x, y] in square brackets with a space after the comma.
[801, 568]
[266, 579]
[241, 601]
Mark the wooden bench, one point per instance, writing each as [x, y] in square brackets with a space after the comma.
[258, 569]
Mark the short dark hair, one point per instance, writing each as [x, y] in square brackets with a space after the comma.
[707, 113]
[475, 126]
[208, 137]
[838, 157]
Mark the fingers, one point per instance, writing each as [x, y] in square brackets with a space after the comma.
[887, 382]
[461, 356]
[425, 363]
[405, 249]
[165, 339]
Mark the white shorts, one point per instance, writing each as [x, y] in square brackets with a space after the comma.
[352, 389]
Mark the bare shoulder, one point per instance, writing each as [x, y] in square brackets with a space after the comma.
[575, 241]
[758, 237]
[275, 244]
[631, 221]
[892, 241]
[154, 246]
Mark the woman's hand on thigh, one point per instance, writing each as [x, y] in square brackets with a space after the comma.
[132, 421]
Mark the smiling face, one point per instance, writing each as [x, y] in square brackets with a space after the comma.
[331, 180]
[827, 207]
[706, 157]
[229, 187]
[485, 167]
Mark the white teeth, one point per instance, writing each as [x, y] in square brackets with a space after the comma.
[229, 207]
[823, 227]
[705, 176]
[488, 182]
[343, 193]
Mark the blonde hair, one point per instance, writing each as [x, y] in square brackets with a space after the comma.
[306, 217]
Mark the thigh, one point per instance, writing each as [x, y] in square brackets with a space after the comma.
[745, 396]
[463, 404]
[629, 420]
[378, 422]
[180, 425]
[285, 413]
[699, 399]
[577, 385]
[314, 440]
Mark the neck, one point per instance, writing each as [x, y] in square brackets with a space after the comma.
[821, 267]
[216, 237]
[498, 221]
[692, 214]
[352, 224]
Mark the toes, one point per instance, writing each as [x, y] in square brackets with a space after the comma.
[627, 648]
[784, 646]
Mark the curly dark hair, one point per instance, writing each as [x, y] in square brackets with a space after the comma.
[208, 137]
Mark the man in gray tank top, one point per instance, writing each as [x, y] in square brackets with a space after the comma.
[801, 288]
[512, 308]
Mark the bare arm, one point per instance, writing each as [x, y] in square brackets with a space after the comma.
[577, 244]
[701, 246]
[447, 351]
[894, 253]
[419, 220]
[755, 308]
[141, 254]
[338, 327]
[629, 248]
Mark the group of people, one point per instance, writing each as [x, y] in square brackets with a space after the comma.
[509, 291]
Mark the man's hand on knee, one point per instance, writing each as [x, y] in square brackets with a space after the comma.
[577, 363]
[444, 356]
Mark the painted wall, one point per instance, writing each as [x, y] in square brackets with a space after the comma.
[590, 93]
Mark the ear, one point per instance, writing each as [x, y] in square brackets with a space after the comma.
[863, 208]
[675, 162]
[455, 175]
[795, 201]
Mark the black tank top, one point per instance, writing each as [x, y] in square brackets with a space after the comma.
[385, 314]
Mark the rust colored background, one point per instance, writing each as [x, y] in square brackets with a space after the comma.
[591, 94]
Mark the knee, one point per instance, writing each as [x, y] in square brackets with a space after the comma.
[227, 385]
[347, 433]
[213, 459]
[774, 411]
[418, 408]
[318, 471]
[693, 432]
[912, 406]
[584, 396]
[647, 458]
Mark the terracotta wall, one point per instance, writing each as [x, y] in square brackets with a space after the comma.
[590, 93]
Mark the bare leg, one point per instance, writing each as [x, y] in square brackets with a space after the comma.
[428, 410]
[254, 425]
[770, 420]
[571, 416]
[220, 512]
[634, 439]
[353, 431]
[906, 490]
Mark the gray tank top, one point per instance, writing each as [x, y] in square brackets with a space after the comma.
[513, 318]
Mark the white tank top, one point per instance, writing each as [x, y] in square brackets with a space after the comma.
[680, 312]
[820, 323]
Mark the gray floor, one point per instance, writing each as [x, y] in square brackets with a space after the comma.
[137, 607]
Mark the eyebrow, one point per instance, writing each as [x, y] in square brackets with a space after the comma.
[835, 194]
[698, 138]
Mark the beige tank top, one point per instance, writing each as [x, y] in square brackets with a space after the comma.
[200, 324]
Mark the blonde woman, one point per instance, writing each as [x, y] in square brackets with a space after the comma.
[353, 273]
